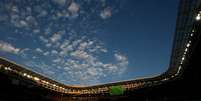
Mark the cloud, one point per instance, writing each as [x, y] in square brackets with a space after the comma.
[17, 21]
[55, 37]
[43, 39]
[15, 9]
[56, 60]
[122, 62]
[77, 57]
[39, 50]
[48, 45]
[80, 54]
[120, 57]
[46, 53]
[7, 47]
[31, 21]
[92, 71]
[106, 13]
[54, 52]
[74, 8]
[83, 45]
[36, 31]
[43, 13]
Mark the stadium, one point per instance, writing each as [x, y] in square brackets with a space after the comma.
[180, 82]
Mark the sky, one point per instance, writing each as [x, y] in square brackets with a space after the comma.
[89, 42]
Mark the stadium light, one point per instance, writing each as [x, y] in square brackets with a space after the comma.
[186, 49]
[36, 79]
[188, 45]
[183, 58]
[47, 82]
[181, 62]
[191, 34]
[198, 17]
[54, 85]
[24, 74]
[5, 68]
[28, 76]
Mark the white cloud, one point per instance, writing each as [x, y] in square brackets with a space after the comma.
[34, 57]
[74, 8]
[64, 44]
[15, 9]
[110, 67]
[56, 60]
[83, 45]
[122, 62]
[23, 23]
[7, 47]
[31, 21]
[36, 31]
[120, 57]
[15, 20]
[80, 54]
[55, 37]
[92, 71]
[43, 39]
[43, 13]
[46, 53]
[39, 50]
[48, 45]
[104, 50]
[106, 13]
[54, 52]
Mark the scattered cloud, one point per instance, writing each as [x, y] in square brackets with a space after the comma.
[106, 13]
[39, 50]
[56, 60]
[43, 12]
[46, 53]
[54, 52]
[43, 39]
[48, 45]
[120, 57]
[75, 55]
[55, 37]
[80, 54]
[7, 47]
[31, 20]
[74, 8]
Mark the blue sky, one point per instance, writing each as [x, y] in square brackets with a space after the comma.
[89, 42]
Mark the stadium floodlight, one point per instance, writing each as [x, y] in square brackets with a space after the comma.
[47, 82]
[24, 74]
[183, 58]
[184, 52]
[36, 79]
[181, 62]
[186, 49]
[5, 68]
[188, 45]
[28, 76]
[191, 34]
[198, 17]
